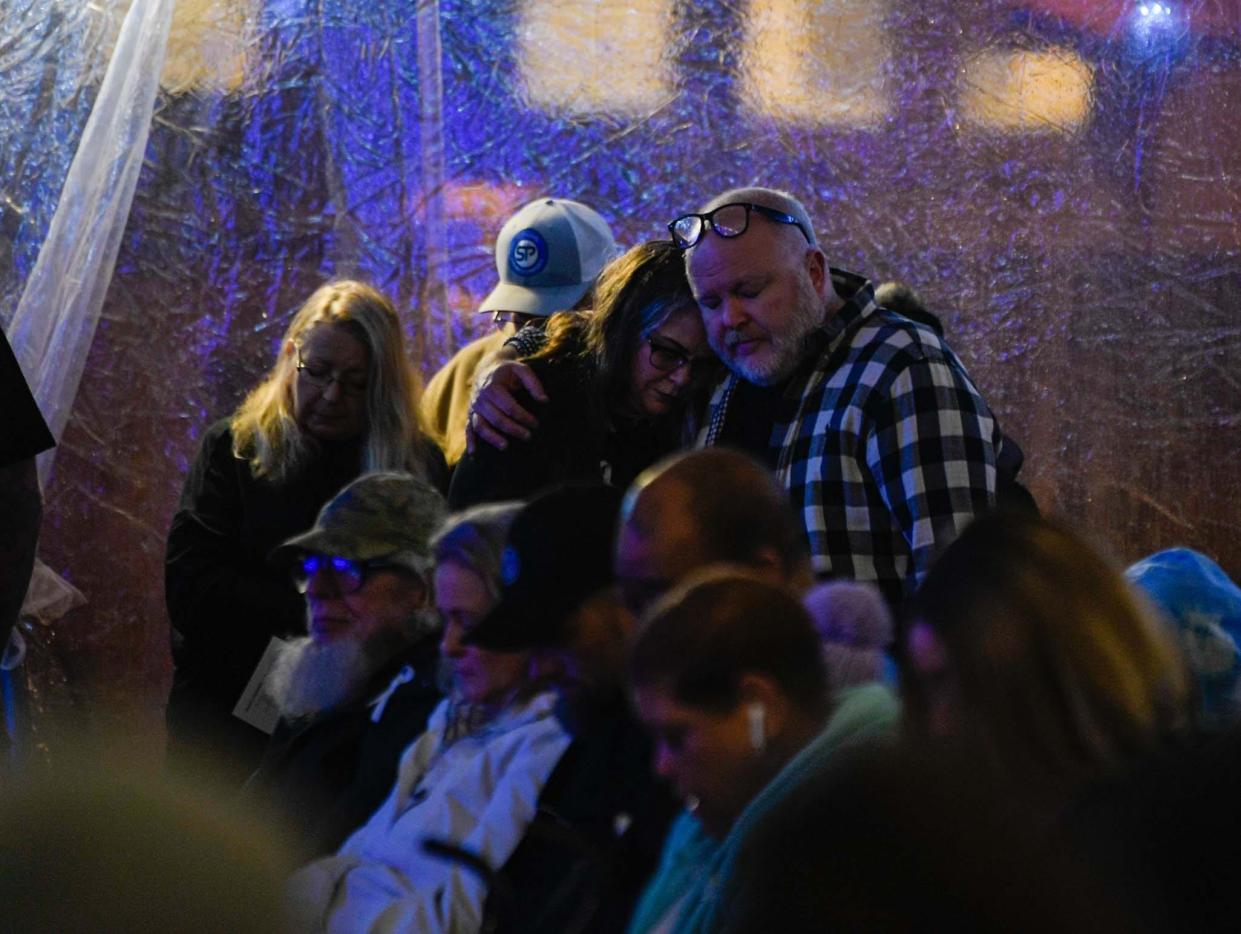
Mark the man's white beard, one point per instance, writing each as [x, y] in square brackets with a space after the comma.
[309, 678]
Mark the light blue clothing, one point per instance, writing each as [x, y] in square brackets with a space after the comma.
[479, 792]
[1204, 606]
[694, 871]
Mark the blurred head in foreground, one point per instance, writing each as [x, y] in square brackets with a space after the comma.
[85, 850]
[1025, 643]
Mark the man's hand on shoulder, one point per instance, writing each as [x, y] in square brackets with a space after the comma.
[496, 416]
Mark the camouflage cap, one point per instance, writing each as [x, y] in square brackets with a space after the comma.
[376, 516]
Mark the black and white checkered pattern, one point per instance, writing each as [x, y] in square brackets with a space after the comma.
[891, 451]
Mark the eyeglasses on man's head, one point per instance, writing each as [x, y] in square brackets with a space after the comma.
[728, 220]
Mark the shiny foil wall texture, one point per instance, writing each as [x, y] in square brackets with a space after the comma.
[1060, 179]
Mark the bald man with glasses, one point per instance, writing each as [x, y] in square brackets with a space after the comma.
[868, 418]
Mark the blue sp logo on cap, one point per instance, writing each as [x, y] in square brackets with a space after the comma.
[527, 253]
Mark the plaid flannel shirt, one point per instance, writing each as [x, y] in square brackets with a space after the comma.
[891, 450]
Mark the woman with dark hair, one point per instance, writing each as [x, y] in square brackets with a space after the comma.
[1030, 652]
[341, 400]
[729, 678]
[620, 381]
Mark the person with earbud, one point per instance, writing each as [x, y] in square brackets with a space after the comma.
[728, 677]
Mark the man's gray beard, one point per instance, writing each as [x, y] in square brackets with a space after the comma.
[309, 678]
[787, 350]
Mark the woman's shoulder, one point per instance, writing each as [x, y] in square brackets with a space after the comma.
[523, 720]
[539, 706]
[528, 735]
[218, 434]
[518, 726]
[418, 753]
[215, 446]
[216, 480]
[568, 380]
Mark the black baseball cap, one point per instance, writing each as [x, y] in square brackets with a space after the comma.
[558, 553]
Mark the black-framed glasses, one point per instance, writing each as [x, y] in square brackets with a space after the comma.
[349, 575]
[669, 357]
[319, 376]
[728, 220]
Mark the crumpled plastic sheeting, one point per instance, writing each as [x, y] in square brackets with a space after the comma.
[50, 60]
[1058, 180]
[53, 327]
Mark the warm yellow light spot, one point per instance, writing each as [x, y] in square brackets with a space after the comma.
[1031, 91]
[207, 45]
[590, 56]
[816, 61]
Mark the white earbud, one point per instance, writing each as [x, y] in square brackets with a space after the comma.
[756, 715]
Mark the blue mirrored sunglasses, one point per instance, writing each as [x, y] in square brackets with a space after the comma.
[348, 574]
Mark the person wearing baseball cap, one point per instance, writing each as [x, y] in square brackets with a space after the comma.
[359, 687]
[547, 255]
[557, 555]
[624, 386]
[602, 815]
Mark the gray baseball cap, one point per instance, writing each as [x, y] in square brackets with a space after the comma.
[378, 515]
[548, 256]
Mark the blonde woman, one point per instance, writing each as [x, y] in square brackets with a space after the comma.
[340, 401]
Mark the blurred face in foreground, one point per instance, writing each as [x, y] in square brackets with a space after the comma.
[657, 546]
[590, 666]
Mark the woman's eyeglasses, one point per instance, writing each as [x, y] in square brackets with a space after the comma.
[319, 376]
[668, 358]
[348, 574]
[728, 220]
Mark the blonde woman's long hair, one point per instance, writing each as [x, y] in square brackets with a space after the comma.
[265, 432]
